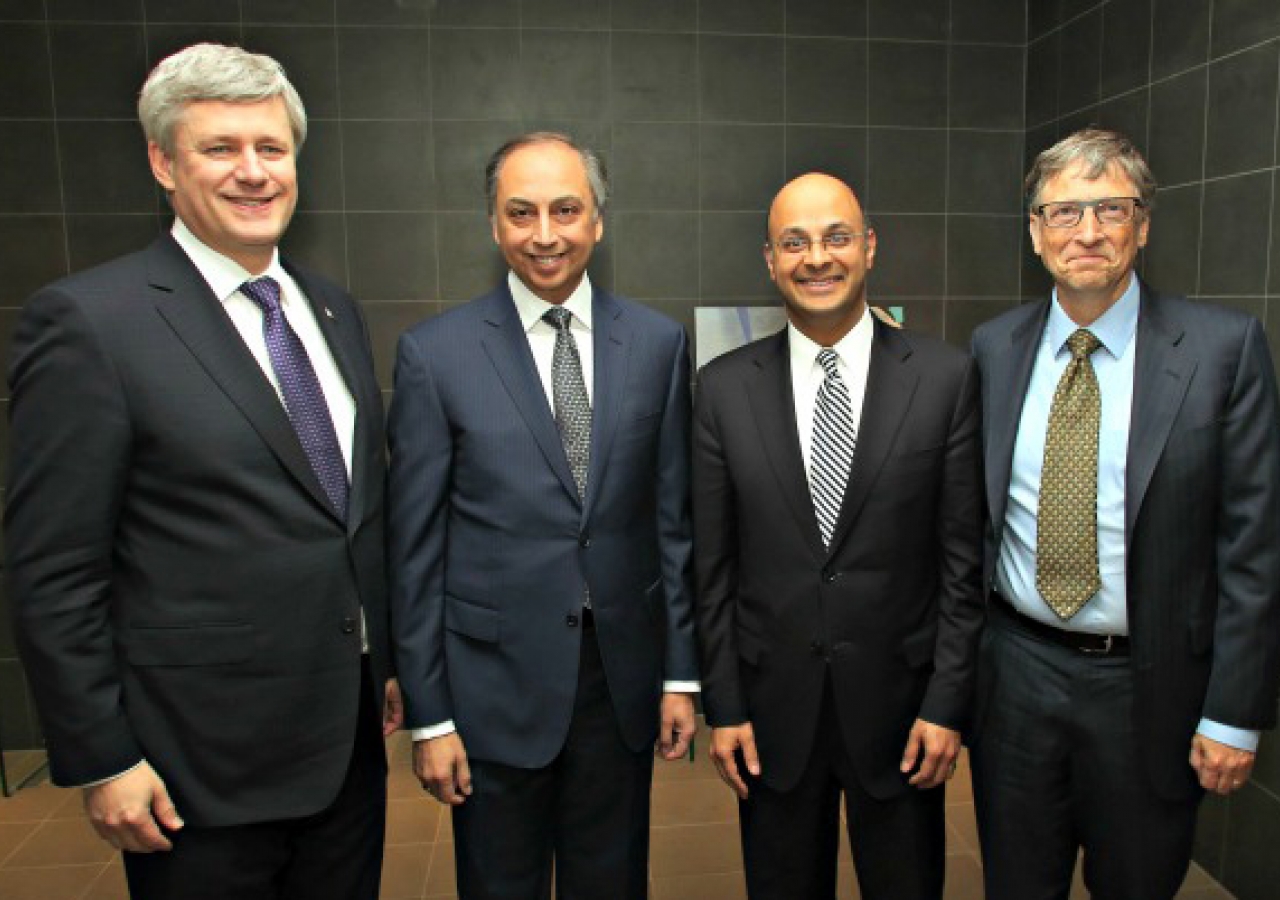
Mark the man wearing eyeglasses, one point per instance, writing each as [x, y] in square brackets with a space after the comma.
[1133, 489]
[837, 521]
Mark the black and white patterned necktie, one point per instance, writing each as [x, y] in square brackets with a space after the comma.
[569, 392]
[831, 452]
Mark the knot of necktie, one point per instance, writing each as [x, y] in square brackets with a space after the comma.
[558, 318]
[827, 358]
[263, 291]
[1082, 343]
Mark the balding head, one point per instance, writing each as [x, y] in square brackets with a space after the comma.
[812, 190]
[819, 251]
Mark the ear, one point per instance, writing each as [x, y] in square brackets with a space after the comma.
[599, 226]
[768, 261]
[493, 229]
[871, 248]
[1033, 226]
[161, 166]
[1143, 228]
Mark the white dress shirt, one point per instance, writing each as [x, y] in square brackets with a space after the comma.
[853, 359]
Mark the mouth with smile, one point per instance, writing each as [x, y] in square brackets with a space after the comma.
[547, 262]
[820, 284]
[251, 205]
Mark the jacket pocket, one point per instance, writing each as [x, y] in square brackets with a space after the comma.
[472, 621]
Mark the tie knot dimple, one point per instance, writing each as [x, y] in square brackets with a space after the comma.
[1083, 342]
[263, 291]
[558, 318]
[827, 358]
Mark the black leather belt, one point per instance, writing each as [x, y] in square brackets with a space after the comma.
[1081, 642]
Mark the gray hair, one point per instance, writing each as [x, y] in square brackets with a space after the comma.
[1096, 149]
[597, 176]
[213, 72]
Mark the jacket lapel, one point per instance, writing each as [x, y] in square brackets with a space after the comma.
[1162, 370]
[612, 353]
[1008, 372]
[185, 301]
[773, 406]
[349, 356]
[507, 347]
[891, 386]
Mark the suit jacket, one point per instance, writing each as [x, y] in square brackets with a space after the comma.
[1202, 514]
[182, 589]
[491, 547]
[892, 610]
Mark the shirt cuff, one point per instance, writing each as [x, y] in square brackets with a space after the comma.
[110, 777]
[433, 731]
[681, 687]
[1240, 738]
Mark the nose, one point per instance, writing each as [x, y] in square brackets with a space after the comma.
[250, 166]
[817, 255]
[545, 234]
[1089, 229]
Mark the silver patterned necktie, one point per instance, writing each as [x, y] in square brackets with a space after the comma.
[831, 451]
[303, 397]
[569, 392]
[1067, 518]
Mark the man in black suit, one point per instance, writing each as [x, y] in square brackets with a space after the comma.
[540, 548]
[194, 522]
[1132, 654]
[837, 511]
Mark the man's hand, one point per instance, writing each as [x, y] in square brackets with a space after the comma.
[934, 749]
[125, 810]
[392, 709]
[678, 725]
[724, 744]
[441, 765]
[1221, 767]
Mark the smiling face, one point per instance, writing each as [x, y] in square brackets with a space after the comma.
[1090, 262]
[545, 219]
[231, 178]
[824, 288]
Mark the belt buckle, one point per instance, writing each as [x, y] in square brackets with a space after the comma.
[1104, 650]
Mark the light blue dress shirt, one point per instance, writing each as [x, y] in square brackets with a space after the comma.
[1106, 612]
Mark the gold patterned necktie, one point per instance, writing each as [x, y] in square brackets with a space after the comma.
[1067, 521]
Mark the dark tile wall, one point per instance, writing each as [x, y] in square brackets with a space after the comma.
[701, 107]
[1195, 83]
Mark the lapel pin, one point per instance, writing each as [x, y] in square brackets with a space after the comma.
[328, 312]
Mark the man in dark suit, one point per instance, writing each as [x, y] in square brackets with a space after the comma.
[540, 544]
[837, 511]
[194, 522]
[1133, 553]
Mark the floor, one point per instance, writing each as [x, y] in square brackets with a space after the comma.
[49, 852]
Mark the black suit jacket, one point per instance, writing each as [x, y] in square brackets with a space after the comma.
[1202, 514]
[491, 546]
[182, 589]
[893, 609]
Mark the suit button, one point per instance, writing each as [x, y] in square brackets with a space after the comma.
[585, 541]
[817, 649]
[829, 576]
[571, 620]
[348, 625]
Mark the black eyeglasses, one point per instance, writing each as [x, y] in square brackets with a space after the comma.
[1109, 211]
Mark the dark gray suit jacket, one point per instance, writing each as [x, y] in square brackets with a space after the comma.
[490, 545]
[892, 610]
[182, 588]
[1202, 514]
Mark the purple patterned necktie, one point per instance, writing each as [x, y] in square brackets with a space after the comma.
[303, 399]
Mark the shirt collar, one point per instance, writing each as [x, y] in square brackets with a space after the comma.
[1114, 328]
[223, 274]
[804, 350]
[531, 308]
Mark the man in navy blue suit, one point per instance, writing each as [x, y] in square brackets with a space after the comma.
[540, 548]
